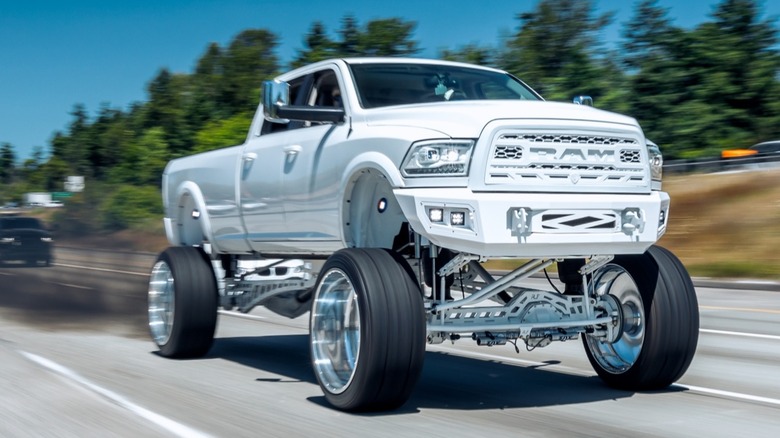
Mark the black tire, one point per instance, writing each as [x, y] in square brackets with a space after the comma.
[182, 303]
[372, 365]
[666, 338]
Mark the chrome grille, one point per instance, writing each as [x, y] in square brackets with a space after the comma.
[509, 152]
[629, 156]
[571, 139]
[559, 161]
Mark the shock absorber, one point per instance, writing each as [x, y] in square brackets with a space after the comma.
[431, 260]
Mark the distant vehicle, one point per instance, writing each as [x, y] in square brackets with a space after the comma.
[54, 204]
[24, 239]
[759, 149]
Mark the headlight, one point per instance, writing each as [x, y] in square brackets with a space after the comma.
[438, 158]
[656, 163]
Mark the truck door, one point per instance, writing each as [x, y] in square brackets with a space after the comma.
[261, 169]
[260, 188]
[310, 183]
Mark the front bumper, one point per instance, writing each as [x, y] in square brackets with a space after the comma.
[522, 225]
[25, 252]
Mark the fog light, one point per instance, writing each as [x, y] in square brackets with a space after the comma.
[436, 215]
[662, 218]
[457, 218]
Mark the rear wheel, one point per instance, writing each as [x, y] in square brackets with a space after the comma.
[659, 319]
[367, 330]
[182, 303]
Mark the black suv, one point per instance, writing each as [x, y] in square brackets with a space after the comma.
[24, 239]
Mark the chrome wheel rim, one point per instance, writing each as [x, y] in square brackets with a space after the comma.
[335, 331]
[619, 356]
[161, 303]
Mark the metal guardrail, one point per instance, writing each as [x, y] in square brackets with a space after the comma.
[716, 164]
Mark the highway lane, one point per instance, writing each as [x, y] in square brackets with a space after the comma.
[76, 357]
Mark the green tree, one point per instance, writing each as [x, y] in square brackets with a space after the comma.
[388, 37]
[382, 37]
[738, 65]
[318, 46]
[222, 133]
[70, 148]
[7, 163]
[30, 171]
[658, 82]
[555, 47]
[470, 53]
[108, 137]
[143, 160]
[165, 109]
[250, 59]
[131, 206]
[53, 174]
[206, 100]
[350, 35]
[700, 91]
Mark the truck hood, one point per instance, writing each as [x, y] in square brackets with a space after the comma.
[467, 118]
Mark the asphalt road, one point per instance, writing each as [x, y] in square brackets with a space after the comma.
[76, 361]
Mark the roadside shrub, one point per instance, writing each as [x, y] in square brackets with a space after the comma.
[77, 218]
[131, 207]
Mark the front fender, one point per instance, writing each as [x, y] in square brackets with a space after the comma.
[189, 223]
[379, 175]
[375, 161]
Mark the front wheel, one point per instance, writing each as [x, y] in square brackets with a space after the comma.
[182, 303]
[658, 319]
[367, 330]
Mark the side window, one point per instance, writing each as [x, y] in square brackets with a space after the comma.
[326, 91]
[318, 89]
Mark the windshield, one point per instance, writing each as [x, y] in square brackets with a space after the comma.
[381, 85]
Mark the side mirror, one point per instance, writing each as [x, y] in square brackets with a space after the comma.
[277, 108]
[276, 94]
[583, 100]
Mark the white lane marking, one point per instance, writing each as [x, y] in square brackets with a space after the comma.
[746, 335]
[581, 373]
[729, 394]
[172, 426]
[76, 286]
[741, 309]
[241, 315]
[103, 269]
[8, 274]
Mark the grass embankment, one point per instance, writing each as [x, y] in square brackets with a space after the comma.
[727, 224]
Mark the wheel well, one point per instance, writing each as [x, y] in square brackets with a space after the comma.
[372, 216]
[187, 221]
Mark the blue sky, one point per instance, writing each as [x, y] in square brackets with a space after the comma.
[55, 53]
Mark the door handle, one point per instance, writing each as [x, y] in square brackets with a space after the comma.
[293, 149]
[249, 156]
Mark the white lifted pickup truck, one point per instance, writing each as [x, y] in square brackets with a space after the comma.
[405, 176]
